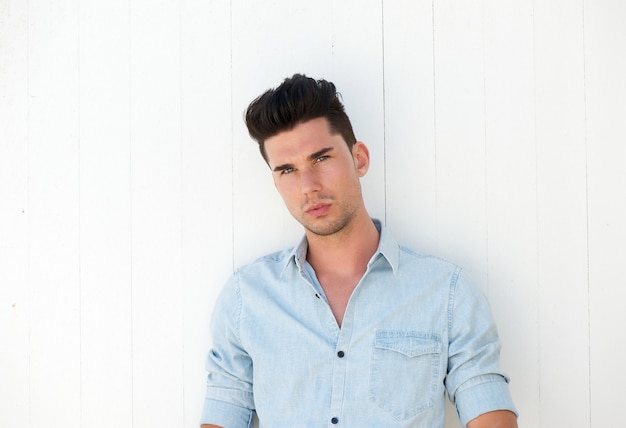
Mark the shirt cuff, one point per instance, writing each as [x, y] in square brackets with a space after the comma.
[225, 414]
[484, 394]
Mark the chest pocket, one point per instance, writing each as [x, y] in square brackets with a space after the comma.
[404, 374]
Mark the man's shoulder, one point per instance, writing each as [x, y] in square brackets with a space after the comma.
[271, 260]
[425, 260]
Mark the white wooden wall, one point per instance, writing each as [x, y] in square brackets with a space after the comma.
[129, 189]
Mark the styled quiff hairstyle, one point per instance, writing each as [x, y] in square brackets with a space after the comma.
[297, 100]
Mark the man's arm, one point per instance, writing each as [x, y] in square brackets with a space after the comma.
[495, 419]
[229, 400]
[476, 385]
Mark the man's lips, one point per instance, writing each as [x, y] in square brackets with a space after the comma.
[317, 210]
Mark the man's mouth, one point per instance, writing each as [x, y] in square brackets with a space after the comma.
[317, 210]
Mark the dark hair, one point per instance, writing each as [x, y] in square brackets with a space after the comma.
[298, 99]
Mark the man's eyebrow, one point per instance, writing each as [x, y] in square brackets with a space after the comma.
[311, 157]
[320, 153]
[282, 167]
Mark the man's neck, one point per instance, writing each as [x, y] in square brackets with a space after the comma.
[346, 252]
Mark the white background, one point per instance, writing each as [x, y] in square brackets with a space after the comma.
[129, 189]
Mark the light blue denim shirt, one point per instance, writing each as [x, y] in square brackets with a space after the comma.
[414, 327]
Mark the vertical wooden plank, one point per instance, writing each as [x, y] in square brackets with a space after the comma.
[461, 229]
[105, 246]
[562, 214]
[357, 70]
[511, 195]
[263, 55]
[14, 302]
[157, 301]
[460, 136]
[206, 181]
[605, 68]
[410, 171]
[54, 213]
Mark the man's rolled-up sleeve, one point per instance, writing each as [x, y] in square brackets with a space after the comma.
[229, 401]
[475, 382]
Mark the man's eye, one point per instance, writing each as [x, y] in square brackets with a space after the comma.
[287, 171]
[322, 158]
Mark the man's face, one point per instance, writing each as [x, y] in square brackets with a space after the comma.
[318, 176]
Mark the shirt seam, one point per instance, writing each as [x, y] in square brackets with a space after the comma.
[239, 308]
[451, 300]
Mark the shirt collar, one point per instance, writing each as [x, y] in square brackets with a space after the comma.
[387, 248]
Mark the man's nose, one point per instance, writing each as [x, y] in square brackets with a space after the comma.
[309, 181]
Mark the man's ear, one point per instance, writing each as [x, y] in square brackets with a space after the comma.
[361, 156]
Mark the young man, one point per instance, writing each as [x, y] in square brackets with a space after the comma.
[347, 328]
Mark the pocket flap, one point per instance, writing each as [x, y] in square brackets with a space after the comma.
[409, 343]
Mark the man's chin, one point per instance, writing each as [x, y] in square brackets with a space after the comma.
[324, 227]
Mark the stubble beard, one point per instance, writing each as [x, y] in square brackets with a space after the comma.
[340, 218]
[327, 225]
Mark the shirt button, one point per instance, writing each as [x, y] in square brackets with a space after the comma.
[334, 421]
[340, 354]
